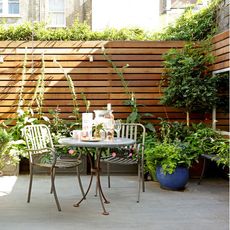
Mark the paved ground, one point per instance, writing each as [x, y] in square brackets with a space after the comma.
[199, 207]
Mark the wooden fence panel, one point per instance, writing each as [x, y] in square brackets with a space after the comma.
[93, 75]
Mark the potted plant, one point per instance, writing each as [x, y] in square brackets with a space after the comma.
[169, 157]
[9, 153]
[172, 161]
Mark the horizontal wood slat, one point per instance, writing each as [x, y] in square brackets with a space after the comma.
[93, 75]
[221, 51]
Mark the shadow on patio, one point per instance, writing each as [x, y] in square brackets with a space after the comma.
[199, 207]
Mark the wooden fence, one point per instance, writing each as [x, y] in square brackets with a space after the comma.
[94, 76]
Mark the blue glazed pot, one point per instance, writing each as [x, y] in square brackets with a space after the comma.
[174, 181]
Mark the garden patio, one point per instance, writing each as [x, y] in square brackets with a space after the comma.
[169, 118]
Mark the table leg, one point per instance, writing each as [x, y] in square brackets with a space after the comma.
[95, 170]
[98, 187]
[84, 197]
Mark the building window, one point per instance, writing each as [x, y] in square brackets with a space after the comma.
[1, 7]
[57, 13]
[13, 6]
[9, 8]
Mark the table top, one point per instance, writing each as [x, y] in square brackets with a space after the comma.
[97, 144]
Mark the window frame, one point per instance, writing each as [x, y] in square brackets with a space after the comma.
[56, 12]
[5, 10]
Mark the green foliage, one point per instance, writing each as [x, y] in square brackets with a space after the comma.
[169, 156]
[80, 31]
[9, 149]
[59, 128]
[173, 131]
[4, 137]
[150, 141]
[192, 26]
[207, 141]
[179, 145]
[221, 148]
[120, 34]
[24, 117]
[77, 32]
[189, 84]
[20, 32]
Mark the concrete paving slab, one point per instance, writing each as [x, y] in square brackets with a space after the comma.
[199, 207]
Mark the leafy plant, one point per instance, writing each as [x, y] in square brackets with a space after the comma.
[205, 140]
[97, 128]
[150, 142]
[221, 149]
[189, 84]
[169, 156]
[172, 131]
[192, 26]
[9, 149]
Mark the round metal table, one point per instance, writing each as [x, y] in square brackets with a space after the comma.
[99, 146]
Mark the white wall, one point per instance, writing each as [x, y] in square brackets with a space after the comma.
[125, 13]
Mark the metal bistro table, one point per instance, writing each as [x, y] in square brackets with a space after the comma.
[95, 166]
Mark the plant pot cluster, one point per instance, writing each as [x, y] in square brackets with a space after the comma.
[178, 147]
[191, 87]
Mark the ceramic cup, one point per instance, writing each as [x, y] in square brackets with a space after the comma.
[76, 134]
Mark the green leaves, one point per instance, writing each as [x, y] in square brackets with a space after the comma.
[192, 26]
[167, 155]
[190, 86]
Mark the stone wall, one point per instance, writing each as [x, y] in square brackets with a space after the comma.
[223, 16]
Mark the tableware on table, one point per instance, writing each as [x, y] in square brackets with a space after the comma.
[76, 134]
[108, 131]
[117, 127]
[93, 139]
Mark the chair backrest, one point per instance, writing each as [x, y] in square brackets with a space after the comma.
[37, 137]
[134, 131]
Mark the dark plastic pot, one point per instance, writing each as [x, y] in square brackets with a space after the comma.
[174, 181]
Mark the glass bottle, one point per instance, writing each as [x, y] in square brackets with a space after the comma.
[109, 123]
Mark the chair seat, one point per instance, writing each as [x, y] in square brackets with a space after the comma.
[61, 164]
[119, 160]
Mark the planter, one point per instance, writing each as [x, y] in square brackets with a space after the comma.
[174, 181]
[10, 170]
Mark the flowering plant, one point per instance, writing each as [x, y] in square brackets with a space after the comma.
[72, 152]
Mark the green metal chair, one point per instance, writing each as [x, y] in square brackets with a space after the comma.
[42, 153]
[134, 131]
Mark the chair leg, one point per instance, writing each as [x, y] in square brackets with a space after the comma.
[54, 189]
[139, 183]
[202, 172]
[142, 175]
[30, 183]
[79, 181]
[108, 173]
[54, 174]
